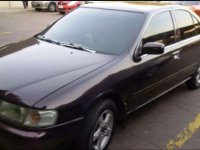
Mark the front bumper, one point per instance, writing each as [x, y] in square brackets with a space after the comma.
[64, 8]
[61, 136]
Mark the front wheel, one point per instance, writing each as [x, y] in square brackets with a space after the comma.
[103, 130]
[52, 7]
[99, 126]
[194, 82]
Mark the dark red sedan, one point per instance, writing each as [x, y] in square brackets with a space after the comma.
[68, 86]
[67, 6]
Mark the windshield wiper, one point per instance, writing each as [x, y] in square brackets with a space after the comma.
[42, 37]
[71, 45]
[77, 46]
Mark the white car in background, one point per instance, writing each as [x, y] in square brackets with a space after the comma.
[41, 5]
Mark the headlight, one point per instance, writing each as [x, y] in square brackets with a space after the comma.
[12, 112]
[38, 118]
[27, 117]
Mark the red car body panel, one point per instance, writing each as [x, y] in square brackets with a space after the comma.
[67, 6]
[196, 9]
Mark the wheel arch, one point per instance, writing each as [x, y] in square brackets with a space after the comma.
[116, 98]
[52, 3]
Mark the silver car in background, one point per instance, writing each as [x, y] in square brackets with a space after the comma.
[43, 5]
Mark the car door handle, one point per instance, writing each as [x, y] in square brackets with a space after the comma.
[176, 55]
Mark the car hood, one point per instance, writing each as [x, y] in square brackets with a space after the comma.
[33, 69]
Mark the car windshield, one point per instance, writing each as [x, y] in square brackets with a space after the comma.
[101, 30]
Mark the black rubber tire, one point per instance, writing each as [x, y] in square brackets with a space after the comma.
[84, 141]
[193, 82]
[37, 9]
[49, 7]
[62, 12]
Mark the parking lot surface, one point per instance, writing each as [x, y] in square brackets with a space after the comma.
[170, 122]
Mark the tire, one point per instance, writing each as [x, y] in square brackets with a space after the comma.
[194, 82]
[96, 123]
[62, 12]
[52, 7]
[37, 9]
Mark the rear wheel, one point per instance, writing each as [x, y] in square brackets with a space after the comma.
[52, 7]
[194, 82]
[99, 127]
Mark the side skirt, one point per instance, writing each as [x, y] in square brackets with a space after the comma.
[158, 95]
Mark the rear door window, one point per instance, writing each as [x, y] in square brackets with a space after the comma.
[185, 24]
[196, 24]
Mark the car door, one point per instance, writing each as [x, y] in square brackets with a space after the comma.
[188, 28]
[153, 75]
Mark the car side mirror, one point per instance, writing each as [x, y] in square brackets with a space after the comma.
[153, 48]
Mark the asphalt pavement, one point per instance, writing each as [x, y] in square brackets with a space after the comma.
[170, 122]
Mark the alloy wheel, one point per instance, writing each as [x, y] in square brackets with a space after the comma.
[52, 7]
[198, 76]
[103, 130]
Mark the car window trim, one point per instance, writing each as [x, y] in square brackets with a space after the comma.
[191, 15]
[174, 28]
[145, 28]
[169, 48]
[182, 43]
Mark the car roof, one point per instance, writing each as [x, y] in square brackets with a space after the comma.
[134, 7]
